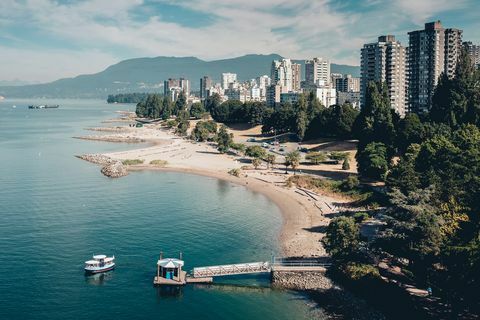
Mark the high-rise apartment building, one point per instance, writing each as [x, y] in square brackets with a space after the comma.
[317, 71]
[431, 52]
[453, 48]
[334, 77]
[385, 61]
[347, 83]
[282, 74]
[228, 79]
[178, 85]
[273, 95]
[205, 85]
[474, 52]
[296, 76]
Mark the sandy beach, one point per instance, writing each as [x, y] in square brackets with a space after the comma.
[304, 215]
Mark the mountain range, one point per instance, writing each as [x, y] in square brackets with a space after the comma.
[148, 74]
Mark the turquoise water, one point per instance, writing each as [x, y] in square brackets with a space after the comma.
[57, 210]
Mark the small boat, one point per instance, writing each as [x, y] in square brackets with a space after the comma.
[100, 263]
[44, 106]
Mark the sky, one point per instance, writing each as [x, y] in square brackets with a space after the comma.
[44, 40]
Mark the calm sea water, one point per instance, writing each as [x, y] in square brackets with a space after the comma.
[56, 211]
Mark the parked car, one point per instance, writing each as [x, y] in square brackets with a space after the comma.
[265, 145]
[250, 140]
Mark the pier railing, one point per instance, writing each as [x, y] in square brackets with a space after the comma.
[231, 269]
[301, 262]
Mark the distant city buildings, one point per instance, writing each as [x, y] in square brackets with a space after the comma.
[205, 85]
[286, 74]
[453, 49]
[289, 97]
[228, 79]
[273, 95]
[431, 52]
[317, 71]
[334, 77]
[327, 95]
[347, 83]
[385, 61]
[473, 51]
[173, 87]
[352, 97]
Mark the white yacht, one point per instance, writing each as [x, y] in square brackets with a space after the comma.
[100, 263]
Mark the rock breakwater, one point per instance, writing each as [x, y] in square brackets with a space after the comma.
[111, 168]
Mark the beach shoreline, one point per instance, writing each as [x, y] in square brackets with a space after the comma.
[304, 216]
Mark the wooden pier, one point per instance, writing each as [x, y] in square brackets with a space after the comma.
[169, 271]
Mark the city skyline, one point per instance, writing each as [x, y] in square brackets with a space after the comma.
[44, 40]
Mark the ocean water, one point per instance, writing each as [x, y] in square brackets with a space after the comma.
[56, 211]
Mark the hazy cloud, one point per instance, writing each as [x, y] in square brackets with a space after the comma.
[95, 33]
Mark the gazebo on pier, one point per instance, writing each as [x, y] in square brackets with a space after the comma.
[169, 271]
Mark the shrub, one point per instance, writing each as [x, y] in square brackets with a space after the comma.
[360, 217]
[316, 157]
[238, 147]
[350, 183]
[171, 123]
[256, 162]
[132, 162]
[159, 163]
[336, 155]
[255, 152]
[235, 172]
[357, 271]
[346, 164]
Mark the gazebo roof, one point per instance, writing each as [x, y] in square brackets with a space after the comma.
[170, 263]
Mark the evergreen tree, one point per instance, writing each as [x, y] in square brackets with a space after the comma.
[224, 139]
[375, 123]
[180, 103]
[457, 100]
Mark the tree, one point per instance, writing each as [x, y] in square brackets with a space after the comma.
[180, 103]
[375, 122]
[346, 164]
[167, 108]
[282, 120]
[413, 229]
[409, 130]
[457, 101]
[224, 139]
[316, 157]
[150, 108]
[255, 152]
[256, 163]
[342, 238]
[197, 110]
[270, 160]
[182, 127]
[204, 130]
[293, 158]
[336, 121]
[240, 147]
[212, 102]
[372, 161]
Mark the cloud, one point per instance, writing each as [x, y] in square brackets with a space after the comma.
[98, 29]
[421, 10]
[47, 65]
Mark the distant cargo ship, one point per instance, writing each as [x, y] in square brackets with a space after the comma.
[44, 106]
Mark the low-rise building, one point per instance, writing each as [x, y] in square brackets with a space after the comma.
[349, 97]
[273, 95]
[289, 97]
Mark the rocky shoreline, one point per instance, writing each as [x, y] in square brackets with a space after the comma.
[108, 138]
[111, 168]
